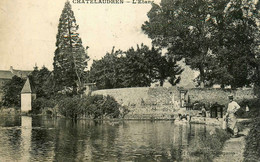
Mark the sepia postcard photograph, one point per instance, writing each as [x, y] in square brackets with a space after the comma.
[130, 80]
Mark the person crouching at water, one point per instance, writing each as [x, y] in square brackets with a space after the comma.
[230, 117]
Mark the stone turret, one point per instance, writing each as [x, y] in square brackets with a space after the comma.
[27, 96]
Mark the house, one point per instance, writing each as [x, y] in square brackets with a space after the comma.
[6, 75]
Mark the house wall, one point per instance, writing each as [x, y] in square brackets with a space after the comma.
[26, 102]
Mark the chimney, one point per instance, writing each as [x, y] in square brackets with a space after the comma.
[11, 69]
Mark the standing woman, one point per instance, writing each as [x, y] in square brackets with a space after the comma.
[231, 116]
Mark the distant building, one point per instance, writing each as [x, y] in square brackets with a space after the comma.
[187, 77]
[6, 75]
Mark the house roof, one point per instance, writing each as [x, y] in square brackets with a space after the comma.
[8, 74]
[27, 87]
[4, 74]
[21, 73]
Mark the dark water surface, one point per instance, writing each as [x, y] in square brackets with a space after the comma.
[25, 138]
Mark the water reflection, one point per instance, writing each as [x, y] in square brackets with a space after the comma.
[47, 139]
[26, 129]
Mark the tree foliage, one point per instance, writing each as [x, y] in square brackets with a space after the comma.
[12, 91]
[40, 103]
[217, 38]
[42, 81]
[70, 59]
[236, 33]
[94, 107]
[107, 72]
[134, 68]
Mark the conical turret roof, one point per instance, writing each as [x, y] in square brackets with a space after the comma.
[27, 87]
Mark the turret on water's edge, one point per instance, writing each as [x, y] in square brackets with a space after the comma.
[27, 96]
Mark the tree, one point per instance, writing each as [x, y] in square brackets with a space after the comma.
[134, 68]
[70, 59]
[236, 32]
[107, 72]
[214, 37]
[174, 71]
[12, 91]
[145, 66]
[42, 81]
[138, 71]
[180, 26]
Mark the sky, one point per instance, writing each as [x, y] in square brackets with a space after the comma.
[28, 30]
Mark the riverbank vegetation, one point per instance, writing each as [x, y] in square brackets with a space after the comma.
[252, 148]
[80, 107]
[40, 103]
[253, 108]
[208, 145]
[91, 107]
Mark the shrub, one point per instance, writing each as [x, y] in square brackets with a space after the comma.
[254, 109]
[252, 148]
[111, 107]
[71, 107]
[96, 107]
[40, 103]
[123, 111]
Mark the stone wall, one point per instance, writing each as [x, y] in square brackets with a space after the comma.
[211, 95]
[157, 102]
[145, 102]
[141, 96]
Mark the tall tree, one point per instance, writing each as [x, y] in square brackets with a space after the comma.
[70, 59]
[214, 37]
[236, 32]
[180, 26]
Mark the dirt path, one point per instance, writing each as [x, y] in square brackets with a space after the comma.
[233, 149]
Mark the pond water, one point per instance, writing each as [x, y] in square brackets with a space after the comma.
[25, 138]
